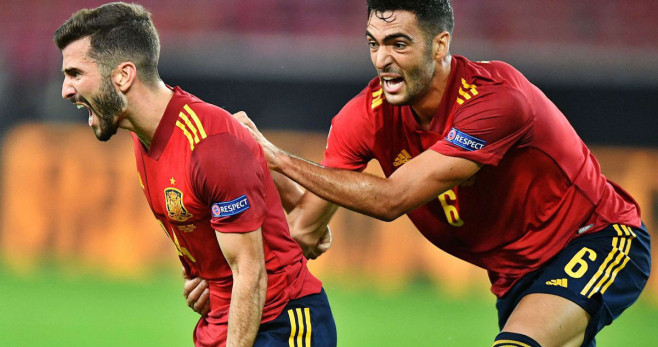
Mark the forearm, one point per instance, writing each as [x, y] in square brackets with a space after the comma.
[289, 191]
[246, 309]
[309, 220]
[360, 192]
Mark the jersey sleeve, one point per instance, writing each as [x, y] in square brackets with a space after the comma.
[227, 175]
[486, 127]
[348, 142]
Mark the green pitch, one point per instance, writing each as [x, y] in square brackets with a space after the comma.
[60, 308]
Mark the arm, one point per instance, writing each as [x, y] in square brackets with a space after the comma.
[289, 191]
[415, 183]
[308, 223]
[308, 216]
[244, 254]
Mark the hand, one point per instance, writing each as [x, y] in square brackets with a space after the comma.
[269, 149]
[322, 246]
[313, 247]
[196, 294]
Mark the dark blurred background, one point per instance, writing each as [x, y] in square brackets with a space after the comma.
[292, 64]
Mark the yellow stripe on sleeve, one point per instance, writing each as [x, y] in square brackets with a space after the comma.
[196, 120]
[187, 134]
[189, 125]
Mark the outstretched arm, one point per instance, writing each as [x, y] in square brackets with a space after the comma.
[413, 184]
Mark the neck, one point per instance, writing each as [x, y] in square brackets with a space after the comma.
[146, 108]
[426, 106]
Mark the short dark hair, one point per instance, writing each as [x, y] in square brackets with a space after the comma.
[118, 32]
[434, 16]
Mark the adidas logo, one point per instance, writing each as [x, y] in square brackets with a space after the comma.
[402, 158]
[562, 282]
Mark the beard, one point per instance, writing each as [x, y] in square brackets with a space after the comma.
[420, 79]
[108, 106]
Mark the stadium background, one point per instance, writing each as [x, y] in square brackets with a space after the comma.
[82, 262]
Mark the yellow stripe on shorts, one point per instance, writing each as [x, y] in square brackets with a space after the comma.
[613, 263]
[300, 327]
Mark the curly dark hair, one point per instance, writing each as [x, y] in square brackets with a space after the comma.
[434, 16]
[119, 32]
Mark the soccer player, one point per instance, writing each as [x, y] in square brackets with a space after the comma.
[488, 169]
[205, 179]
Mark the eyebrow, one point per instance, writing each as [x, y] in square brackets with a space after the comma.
[391, 37]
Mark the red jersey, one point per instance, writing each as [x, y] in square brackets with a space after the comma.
[204, 172]
[539, 186]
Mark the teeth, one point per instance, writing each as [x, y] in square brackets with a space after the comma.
[79, 106]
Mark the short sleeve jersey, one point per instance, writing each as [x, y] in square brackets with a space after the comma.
[539, 186]
[204, 173]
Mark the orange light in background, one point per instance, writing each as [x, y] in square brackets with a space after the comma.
[71, 198]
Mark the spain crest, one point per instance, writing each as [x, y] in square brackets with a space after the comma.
[175, 208]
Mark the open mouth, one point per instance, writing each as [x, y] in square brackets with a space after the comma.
[393, 84]
[90, 119]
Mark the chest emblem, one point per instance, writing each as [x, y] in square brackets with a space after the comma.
[175, 208]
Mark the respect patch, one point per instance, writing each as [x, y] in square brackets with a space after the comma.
[464, 140]
[230, 208]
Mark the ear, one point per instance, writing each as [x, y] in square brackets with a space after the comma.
[124, 75]
[441, 45]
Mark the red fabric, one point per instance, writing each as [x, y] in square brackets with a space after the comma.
[539, 184]
[224, 164]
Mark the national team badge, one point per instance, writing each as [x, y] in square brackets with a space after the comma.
[175, 208]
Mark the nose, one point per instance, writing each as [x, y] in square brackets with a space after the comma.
[382, 58]
[67, 89]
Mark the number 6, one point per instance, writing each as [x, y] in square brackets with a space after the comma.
[577, 266]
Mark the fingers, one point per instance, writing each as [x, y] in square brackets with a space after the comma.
[202, 306]
[245, 120]
[196, 293]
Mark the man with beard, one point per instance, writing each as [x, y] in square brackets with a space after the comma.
[206, 180]
[489, 170]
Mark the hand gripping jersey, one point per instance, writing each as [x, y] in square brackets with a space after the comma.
[539, 188]
[204, 172]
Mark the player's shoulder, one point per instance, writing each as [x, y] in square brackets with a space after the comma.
[490, 87]
[484, 79]
[365, 104]
[490, 73]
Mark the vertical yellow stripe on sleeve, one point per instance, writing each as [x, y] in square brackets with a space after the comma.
[196, 120]
[187, 134]
[189, 125]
